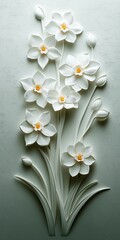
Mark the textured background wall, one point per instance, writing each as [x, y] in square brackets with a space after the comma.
[21, 217]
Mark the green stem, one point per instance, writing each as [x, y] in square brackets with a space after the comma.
[81, 120]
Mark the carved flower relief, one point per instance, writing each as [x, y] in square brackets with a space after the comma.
[37, 128]
[78, 158]
[64, 27]
[78, 71]
[43, 50]
[63, 98]
[37, 88]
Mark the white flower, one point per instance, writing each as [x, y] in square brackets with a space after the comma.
[78, 158]
[37, 88]
[43, 50]
[64, 27]
[63, 98]
[37, 128]
[39, 12]
[78, 71]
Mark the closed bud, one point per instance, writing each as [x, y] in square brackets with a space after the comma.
[96, 104]
[39, 12]
[91, 40]
[101, 81]
[102, 115]
[26, 161]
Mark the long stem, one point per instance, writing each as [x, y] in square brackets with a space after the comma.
[81, 120]
[42, 28]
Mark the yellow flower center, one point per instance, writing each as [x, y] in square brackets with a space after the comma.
[43, 49]
[37, 87]
[61, 99]
[37, 126]
[79, 157]
[78, 70]
[64, 26]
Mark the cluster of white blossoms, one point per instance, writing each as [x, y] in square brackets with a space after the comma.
[77, 72]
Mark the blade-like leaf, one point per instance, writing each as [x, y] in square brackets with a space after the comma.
[80, 193]
[52, 190]
[80, 205]
[44, 202]
[71, 197]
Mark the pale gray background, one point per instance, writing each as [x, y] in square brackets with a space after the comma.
[21, 217]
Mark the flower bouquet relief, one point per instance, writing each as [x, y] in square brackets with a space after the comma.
[66, 172]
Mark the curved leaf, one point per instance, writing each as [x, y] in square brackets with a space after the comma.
[52, 182]
[44, 202]
[80, 205]
[71, 197]
[80, 193]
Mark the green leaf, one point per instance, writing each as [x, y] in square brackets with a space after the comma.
[44, 202]
[80, 205]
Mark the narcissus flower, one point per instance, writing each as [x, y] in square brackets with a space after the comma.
[63, 98]
[43, 50]
[64, 27]
[78, 158]
[37, 88]
[78, 71]
[37, 128]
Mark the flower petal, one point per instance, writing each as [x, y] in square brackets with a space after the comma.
[90, 78]
[59, 36]
[66, 70]
[35, 41]
[31, 138]
[65, 91]
[26, 127]
[68, 18]
[76, 87]
[33, 53]
[84, 60]
[53, 53]
[87, 151]
[71, 37]
[43, 60]
[76, 96]
[83, 83]
[38, 78]
[68, 105]
[70, 80]
[84, 169]
[57, 106]
[70, 150]
[67, 160]
[79, 148]
[50, 41]
[30, 96]
[49, 130]
[52, 27]
[41, 101]
[49, 83]
[92, 68]
[43, 140]
[76, 27]
[44, 118]
[89, 161]
[71, 61]
[57, 18]
[74, 170]
[52, 96]
[32, 116]
[27, 84]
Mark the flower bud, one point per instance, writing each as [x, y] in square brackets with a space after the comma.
[39, 12]
[96, 104]
[101, 81]
[91, 40]
[26, 161]
[102, 115]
